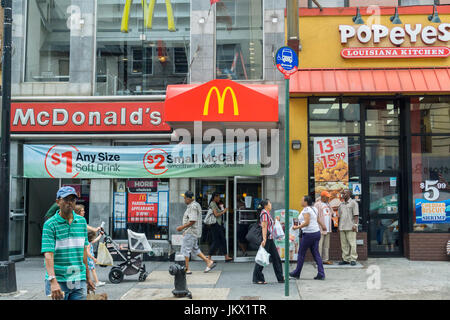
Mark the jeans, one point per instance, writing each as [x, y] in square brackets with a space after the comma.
[72, 290]
[276, 261]
[309, 241]
[218, 240]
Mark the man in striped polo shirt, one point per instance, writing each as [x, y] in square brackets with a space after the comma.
[64, 244]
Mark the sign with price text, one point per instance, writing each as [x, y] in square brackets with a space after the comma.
[331, 159]
[168, 161]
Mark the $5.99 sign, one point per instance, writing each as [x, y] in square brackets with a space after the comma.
[331, 158]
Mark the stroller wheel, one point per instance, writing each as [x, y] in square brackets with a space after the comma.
[115, 275]
[143, 276]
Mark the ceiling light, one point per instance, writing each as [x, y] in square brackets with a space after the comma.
[320, 111]
[327, 99]
[202, 20]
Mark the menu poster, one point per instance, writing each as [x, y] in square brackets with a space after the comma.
[331, 159]
[141, 208]
[120, 210]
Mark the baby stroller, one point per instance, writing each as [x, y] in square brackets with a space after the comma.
[133, 260]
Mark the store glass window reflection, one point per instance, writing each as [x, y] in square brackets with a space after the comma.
[239, 39]
[48, 41]
[143, 60]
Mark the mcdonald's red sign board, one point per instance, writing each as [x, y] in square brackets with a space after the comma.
[140, 209]
[222, 101]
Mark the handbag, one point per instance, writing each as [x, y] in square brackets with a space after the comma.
[278, 232]
[254, 234]
[210, 218]
[262, 257]
[104, 258]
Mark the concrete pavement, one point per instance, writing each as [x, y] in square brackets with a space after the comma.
[379, 279]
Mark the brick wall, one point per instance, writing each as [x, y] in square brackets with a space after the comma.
[426, 246]
[335, 247]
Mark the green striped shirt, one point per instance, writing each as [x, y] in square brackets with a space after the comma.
[67, 242]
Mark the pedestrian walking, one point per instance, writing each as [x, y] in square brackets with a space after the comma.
[93, 238]
[79, 209]
[348, 226]
[217, 229]
[325, 213]
[310, 237]
[267, 223]
[192, 226]
[64, 245]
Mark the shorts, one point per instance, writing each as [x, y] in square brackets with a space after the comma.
[91, 264]
[76, 290]
[190, 245]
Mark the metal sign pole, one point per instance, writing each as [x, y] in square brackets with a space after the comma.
[286, 193]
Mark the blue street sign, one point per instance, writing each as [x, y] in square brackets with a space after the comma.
[287, 61]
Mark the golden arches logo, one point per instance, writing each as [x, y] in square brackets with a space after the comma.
[221, 100]
[143, 197]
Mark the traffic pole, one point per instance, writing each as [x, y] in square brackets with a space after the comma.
[286, 190]
[7, 268]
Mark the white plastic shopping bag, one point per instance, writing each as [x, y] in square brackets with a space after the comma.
[104, 258]
[278, 232]
[262, 257]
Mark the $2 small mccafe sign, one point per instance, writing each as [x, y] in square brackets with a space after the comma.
[430, 36]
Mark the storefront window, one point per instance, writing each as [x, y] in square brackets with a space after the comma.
[430, 115]
[139, 55]
[417, 2]
[334, 115]
[329, 3]
[382, 118]
[48, 40]
[141, 205]
[382, 154]
[239, 39]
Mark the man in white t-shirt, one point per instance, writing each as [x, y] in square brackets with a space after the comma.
[325, 212]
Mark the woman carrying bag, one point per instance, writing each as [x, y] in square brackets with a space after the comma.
[310, 237]
[217, 230]
[267, 223]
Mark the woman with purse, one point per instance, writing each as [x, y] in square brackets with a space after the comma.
[267, 223]
[217, 229]
[310, 237]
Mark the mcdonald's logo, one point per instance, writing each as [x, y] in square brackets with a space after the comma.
[149, 9]
[221, 100]
[142, 197]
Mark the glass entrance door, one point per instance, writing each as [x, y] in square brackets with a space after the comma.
[204, 189]
[17, 218]
[248, 193]
[384, 200]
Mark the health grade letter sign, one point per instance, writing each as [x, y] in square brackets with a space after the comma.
[168, 161]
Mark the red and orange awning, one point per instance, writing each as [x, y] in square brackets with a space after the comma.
[375, 81]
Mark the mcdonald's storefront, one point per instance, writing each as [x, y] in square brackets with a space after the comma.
[371, 107]
[130, 160]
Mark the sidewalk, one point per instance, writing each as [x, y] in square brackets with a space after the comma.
[389, 279]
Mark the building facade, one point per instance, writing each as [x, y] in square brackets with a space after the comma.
[371, 108]
[86, 72]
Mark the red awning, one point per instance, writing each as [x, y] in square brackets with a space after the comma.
[342, 81]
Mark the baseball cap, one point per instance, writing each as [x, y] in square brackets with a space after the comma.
[188, 194]
[66, 191]
[325, 193]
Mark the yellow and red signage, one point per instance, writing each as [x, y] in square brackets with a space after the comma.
[222, 101]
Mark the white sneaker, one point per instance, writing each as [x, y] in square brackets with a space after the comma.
[100, 284]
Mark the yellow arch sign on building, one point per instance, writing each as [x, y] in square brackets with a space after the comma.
[221, 100]
[149, 9]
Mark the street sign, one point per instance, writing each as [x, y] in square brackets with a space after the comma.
[287, 61]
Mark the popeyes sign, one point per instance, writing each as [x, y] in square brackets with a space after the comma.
[221, 101]
[430, 36]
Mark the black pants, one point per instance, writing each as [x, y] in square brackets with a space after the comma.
[276, 261]
[218, 240]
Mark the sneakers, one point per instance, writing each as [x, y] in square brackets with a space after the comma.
[328, 262]
[100, 284]
[208, 269]
[293, 276]
[319, 277]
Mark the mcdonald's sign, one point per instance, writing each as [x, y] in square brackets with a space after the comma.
[221, 101]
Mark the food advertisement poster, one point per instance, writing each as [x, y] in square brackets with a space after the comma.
[293, 235]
